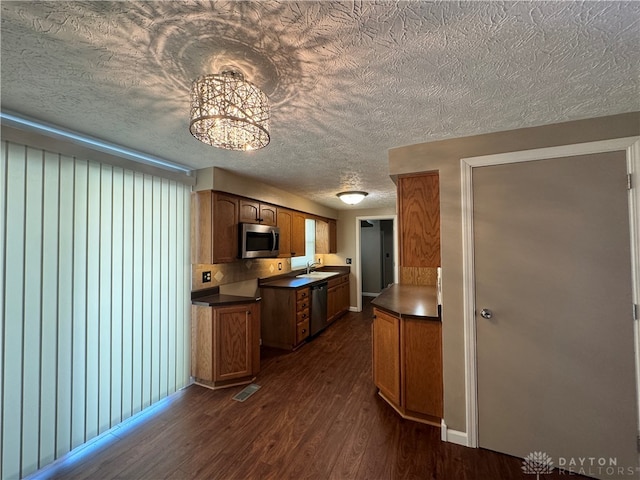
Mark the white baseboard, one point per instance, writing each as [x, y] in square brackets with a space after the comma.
[453, 436]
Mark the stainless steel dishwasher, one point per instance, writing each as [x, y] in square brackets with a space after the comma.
[318, 308]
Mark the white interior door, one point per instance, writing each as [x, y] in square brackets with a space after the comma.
[555, 362]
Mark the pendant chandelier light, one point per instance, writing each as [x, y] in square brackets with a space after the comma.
[229, 112]
[351, 198]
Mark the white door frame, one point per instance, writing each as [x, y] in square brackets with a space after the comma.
[358, 272]
[631, 145]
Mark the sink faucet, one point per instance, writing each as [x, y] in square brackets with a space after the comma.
[310, 266]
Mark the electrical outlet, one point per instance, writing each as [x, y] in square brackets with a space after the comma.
[206, 277]
[348, 261]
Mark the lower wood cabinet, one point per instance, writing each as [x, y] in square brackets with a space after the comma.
[285, 317]
[407, 365]
[225, 344]
[337, 297]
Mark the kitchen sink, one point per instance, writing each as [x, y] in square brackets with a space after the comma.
[317, 275]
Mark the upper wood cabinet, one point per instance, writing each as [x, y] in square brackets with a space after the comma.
[292, 232]
[252, 211]
[322, 236]
[419, 208]
[298, 235]
[326, 236]
[285, 224]
[333, 236]
[214, 227]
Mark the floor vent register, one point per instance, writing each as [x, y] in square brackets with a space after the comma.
[246, 392]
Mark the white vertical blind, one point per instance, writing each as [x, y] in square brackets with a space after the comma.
[94, 275]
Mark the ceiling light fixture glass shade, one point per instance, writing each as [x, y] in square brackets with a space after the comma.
[351, 198]
[229, 112]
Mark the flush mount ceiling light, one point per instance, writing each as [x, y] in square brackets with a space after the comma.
[229, 112]
[351, 198]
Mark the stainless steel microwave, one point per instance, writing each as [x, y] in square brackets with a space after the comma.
[258, 241]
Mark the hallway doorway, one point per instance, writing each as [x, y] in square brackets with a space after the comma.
[377, 253]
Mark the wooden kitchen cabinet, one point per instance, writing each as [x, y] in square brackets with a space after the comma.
[214, 227]
[419, 219]
[322, 236]
[407, 365]
[298, 234]
[333, 236]
[285, 316]
[292, 232]
[326, 236]
[252, 211]
[337, 297]
[225, 344]
[285, 224]
[386, 355]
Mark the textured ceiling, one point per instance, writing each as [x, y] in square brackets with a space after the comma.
[347, 80]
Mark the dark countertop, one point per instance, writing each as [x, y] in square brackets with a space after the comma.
[219, 300]
[212, 298]
[291, 281]
[409, 301]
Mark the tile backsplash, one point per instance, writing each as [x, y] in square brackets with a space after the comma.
[225, 273]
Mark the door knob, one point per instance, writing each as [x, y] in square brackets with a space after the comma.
[486, 313]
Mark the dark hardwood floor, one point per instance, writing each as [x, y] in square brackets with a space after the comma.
[317, 416]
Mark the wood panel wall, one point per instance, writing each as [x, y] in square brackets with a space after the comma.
[94, 275]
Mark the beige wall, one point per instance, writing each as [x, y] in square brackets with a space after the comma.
[215, 178]
[347, 241]
[444, 156]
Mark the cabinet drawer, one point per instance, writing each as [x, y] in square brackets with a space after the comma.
[302, 294]
[302, 331]
[302, 316]
[302, 304]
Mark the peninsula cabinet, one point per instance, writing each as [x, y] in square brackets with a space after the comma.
[285, 317]
[225, 344]
[407, 351]
[407, 364]
[386, 355]
[214, 227]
